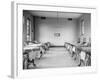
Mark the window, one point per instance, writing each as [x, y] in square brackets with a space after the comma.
[82, 27]
[28, 29]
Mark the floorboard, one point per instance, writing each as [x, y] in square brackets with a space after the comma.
[56, 57]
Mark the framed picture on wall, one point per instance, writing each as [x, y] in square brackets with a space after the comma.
[74, 50]
[57, 34]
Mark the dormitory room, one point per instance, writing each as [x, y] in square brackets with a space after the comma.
[56, 39]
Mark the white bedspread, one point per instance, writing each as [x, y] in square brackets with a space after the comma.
[32, 46]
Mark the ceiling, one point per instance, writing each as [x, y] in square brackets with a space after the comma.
[56, 14]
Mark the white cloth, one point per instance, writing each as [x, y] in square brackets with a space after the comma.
[73, 49]
[38, 54]
[82, 55]
[42, 50]
[32, 55]
[68, 47]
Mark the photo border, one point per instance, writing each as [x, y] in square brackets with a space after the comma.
[17, 12]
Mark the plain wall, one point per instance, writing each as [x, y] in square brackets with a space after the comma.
[46, 28]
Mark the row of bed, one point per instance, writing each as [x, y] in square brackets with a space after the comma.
[33, 51]
[81, 52]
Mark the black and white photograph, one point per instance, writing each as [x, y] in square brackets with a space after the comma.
[54, 39]
[50, 40]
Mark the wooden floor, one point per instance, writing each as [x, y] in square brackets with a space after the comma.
[56, 57]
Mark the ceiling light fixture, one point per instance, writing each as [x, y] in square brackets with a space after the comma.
[70, 19]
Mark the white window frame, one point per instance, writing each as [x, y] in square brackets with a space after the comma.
[82, 27]
[28, 35]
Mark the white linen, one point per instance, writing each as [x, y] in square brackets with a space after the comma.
[73, 49]
[82, 55]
